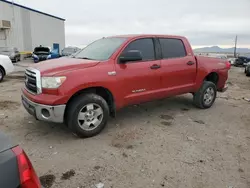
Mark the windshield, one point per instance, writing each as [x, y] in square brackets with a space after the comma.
[101, 49]
[5, 49]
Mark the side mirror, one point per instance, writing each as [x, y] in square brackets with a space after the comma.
[132, 55]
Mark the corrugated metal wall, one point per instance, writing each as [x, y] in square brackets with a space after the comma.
[14, 36]
[46, 30]
[30, 29]
[27, 39]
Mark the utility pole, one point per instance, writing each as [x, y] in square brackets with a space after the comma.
[235, 46]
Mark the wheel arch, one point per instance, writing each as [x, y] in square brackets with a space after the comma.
[4, 72]
[212, 77]
[99, 90]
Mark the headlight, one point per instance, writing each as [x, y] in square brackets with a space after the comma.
[52, 82]
[49, 57]
[34, 56]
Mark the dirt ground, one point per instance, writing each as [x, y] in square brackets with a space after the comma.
[166, 143]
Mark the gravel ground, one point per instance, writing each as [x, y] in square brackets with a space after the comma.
[166, 143]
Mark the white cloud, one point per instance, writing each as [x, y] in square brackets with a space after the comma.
[204, 22]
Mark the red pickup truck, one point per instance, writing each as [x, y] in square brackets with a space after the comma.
[113, 72]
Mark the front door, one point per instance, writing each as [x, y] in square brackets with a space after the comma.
[139, 80]
[178, 69]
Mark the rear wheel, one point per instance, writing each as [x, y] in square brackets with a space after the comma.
[87, 115]
[205, 97]
[1, 74]
[248, 72]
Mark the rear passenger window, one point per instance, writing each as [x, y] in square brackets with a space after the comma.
[172, 48]
[145, 46]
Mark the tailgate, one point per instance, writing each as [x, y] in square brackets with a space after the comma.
[9, 175]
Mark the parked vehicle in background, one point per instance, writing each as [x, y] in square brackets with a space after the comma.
[69, 51]
[118, 71]
[15, 167]
[12, 53]
[241, 61]
[74, 54]
[247, 69]
[42, 53]
[220, 56]
[6, 66]
[232, 60]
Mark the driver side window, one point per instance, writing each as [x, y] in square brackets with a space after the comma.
[145, 46]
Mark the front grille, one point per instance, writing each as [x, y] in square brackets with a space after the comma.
[42, 57]
[31, 81]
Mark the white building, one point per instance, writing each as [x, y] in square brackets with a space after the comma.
[26, 28]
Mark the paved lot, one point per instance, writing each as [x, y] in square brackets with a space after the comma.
[167, 143]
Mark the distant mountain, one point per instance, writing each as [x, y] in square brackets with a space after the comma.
[221, 50]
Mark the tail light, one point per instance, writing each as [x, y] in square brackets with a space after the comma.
[228, 65]
[27, 174]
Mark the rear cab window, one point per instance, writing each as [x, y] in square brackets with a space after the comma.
[145, 46]
[172, 48]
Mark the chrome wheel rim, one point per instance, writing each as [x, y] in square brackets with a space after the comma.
[209, 96]
[90, 117]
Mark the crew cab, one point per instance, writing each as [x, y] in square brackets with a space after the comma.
[15, 167]
[114, 72]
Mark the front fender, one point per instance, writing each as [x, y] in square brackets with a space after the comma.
[6, 63]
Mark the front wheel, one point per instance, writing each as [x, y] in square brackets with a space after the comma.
[87, 115]
[248, 72]
[1, 74]
[205, 97]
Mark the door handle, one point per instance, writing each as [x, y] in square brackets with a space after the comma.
[155, 66]
[190, 63]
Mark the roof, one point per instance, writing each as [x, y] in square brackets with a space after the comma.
[37, 11]
[147, 35]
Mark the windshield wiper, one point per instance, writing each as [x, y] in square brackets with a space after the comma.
[83, 58]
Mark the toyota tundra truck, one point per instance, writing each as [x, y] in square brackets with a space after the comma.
[84, 90]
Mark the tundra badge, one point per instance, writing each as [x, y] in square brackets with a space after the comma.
[113, 73]
[138, 90]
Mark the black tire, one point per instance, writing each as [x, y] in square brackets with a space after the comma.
[1, 74]
[75, 107]
[247, 73]
[199, 95]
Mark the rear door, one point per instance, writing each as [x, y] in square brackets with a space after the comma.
[139, 80]
[178, 69]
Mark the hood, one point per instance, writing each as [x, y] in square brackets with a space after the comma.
[4, 57]
[57, 66]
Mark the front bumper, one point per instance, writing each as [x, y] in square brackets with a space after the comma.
[44, 112]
